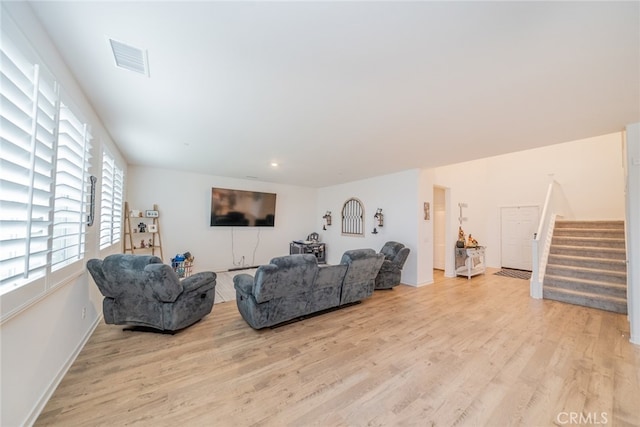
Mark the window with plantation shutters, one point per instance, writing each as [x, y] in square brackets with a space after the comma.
[27, 137]
[44, 165]
[111, 202]
[71, 203]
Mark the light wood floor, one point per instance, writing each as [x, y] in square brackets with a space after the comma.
[225, 291]
[456, 353]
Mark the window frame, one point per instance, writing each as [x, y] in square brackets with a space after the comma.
[42, 99]
[111, 217]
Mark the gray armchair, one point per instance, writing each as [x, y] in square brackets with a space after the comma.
[395, 255]
[141, 291]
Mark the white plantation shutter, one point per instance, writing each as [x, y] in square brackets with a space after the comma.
[111, 202]
[71, 204]
[27, 127]
[44, 185]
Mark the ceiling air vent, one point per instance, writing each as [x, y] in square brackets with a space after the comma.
[129, 57]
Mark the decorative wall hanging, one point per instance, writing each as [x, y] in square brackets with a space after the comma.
[353, 218]
[92, 201]
[379, 220]
[461, 218]
[327, 220]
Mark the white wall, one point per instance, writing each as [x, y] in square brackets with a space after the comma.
[425, 229]
[633, 230]
[41, 339]
[184, 202]
[589, 171]
[399, 197]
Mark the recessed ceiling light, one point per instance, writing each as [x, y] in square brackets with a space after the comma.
[274, 164]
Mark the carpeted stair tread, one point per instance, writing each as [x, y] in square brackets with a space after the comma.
[615, 224]
[592, 252]
[587, 299]
[595, 273]
[588, 262]
[591, 232]
[585, 285]
[618, 243]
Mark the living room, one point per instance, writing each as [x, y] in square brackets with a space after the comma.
[43, 336]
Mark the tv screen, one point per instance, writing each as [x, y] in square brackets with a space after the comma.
[238, 208]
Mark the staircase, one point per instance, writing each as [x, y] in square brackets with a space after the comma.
[587, 265]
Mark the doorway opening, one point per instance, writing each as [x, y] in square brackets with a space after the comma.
[440, 228]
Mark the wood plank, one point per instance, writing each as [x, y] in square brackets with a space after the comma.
[458, 352]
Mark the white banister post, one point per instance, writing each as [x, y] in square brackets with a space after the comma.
[535, 287]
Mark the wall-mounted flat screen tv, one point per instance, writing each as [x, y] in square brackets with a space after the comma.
[238, 208]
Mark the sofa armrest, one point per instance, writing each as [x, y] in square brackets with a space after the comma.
[243, 283]
[199, 280]
[95, 269]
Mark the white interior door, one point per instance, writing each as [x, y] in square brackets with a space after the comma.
[439, 224]
[518, 225]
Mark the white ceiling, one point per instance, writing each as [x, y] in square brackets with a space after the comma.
[340, 91]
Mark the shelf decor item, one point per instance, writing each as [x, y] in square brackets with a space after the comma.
[151, 214]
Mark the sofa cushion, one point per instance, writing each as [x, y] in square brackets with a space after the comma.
[284, 276]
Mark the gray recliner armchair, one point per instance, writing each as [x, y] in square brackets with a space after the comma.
[395, 255]
[141, 291]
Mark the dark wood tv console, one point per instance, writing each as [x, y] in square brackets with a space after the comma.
[317, 249]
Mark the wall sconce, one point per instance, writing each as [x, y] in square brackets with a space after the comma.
[462, 218]
[379, 217]
[327, 220]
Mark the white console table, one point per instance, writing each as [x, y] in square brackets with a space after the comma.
[470, 261]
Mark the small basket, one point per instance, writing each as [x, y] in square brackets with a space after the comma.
[182, 268]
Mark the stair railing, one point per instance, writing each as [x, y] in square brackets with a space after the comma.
[555, 206]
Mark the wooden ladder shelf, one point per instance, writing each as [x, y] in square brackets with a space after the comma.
[146, 230]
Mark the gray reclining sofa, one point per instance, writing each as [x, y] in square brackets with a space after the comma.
[294, 286]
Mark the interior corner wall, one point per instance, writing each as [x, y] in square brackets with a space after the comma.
[397, 195]
[425, 228]
[184, 202]
[42, 339]
[633, 229]
[589, 172]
